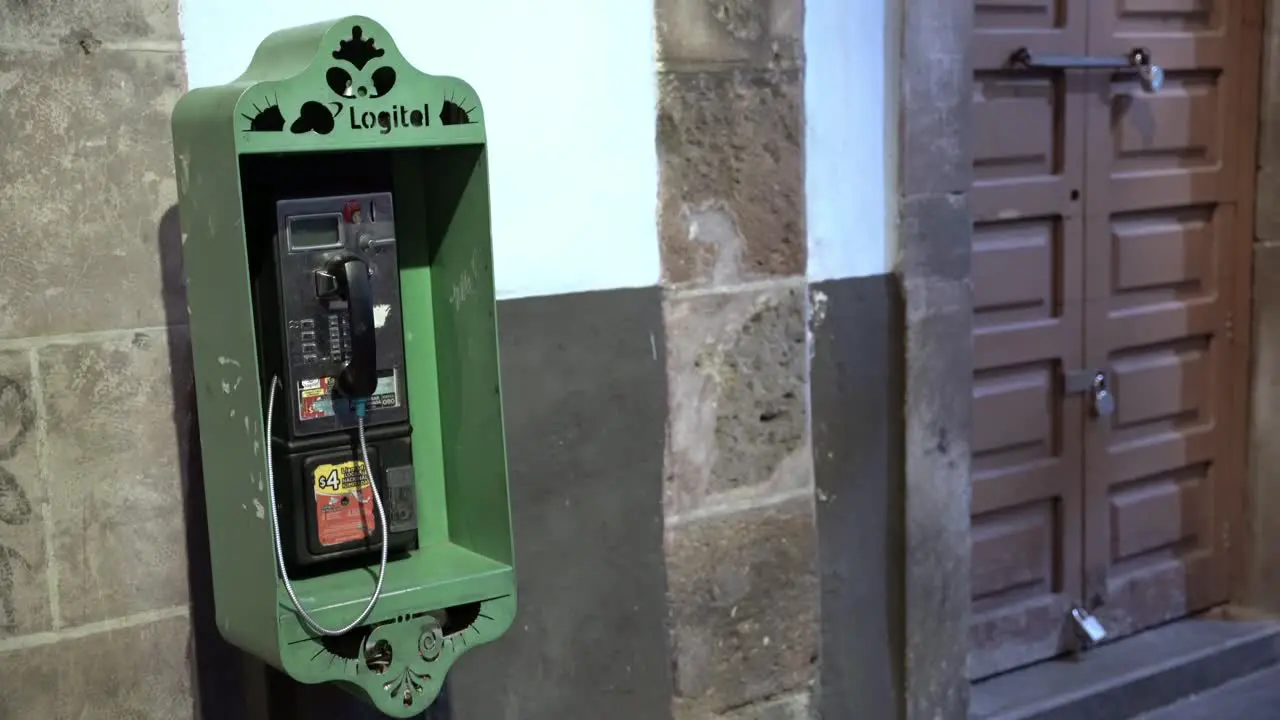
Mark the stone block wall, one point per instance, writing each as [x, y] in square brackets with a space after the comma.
[738, 497]
[96, 521]
[94, 621]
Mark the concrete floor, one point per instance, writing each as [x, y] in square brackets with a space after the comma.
[1256, 697]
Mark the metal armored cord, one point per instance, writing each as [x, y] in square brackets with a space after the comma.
[275, 524]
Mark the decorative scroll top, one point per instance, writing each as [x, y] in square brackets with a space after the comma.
[357, 90]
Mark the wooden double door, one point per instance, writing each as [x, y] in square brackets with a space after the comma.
[1106, 231]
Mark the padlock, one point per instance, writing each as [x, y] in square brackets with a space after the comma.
[1088, 625]
[1104, 402]
[1151, 77]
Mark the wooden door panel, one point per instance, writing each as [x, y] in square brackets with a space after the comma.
[1103, 217]
[1170, 148]
[1027, 295]
[1026, 462]
[1152, 469]
[1001, 26]
[1167, 146]
[1159, 208]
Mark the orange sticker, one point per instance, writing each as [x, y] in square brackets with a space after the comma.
[344, 503]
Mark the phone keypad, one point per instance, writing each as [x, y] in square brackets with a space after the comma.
[339, 340]
[330, 343]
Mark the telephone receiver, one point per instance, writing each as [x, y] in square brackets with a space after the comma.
[350, 277]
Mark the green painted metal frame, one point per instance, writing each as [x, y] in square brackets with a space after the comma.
[465, 553]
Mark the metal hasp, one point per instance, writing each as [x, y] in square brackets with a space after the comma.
[334, 107]
[1138, 59]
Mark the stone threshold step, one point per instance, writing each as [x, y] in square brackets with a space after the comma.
[1136, 675]
[1256, 697]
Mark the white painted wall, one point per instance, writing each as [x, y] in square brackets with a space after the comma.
[570, 97]
[851, 137]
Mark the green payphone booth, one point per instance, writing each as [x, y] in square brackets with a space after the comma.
[335, 233]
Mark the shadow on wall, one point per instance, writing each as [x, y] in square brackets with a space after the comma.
[216, 677]
[222, 677]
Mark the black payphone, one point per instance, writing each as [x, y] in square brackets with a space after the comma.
[332, 343]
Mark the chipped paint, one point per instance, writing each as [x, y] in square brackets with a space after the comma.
[184, 173]
[818, 312]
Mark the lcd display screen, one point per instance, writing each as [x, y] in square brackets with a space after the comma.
[315, 232]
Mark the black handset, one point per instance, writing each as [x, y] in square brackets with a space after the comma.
[337, 340]
[359, 378]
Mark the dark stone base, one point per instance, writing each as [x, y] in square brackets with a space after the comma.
[857, 405]
[584, 384]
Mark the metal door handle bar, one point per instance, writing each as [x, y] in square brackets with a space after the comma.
[1023, 57]
[1139, 59]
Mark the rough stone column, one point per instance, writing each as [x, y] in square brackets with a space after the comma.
[740, 539]
[94, 618]
[1259, 584]
[935, 238]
